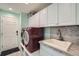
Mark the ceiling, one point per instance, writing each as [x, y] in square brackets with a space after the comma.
[22, 7]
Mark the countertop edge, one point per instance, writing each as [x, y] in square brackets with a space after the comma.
[68, 54]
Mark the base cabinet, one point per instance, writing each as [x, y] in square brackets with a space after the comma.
[48, 51]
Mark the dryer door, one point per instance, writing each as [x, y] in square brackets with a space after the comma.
[25, 37]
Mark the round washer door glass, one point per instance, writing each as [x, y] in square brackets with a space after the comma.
[25, 37]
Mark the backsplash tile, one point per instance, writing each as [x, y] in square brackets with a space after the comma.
[47, 33]
[69, 33]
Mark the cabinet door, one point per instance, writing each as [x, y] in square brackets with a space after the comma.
[52, 15]
[77, 21]
[48, 51]
[36, 20]
[67, 14]
[43, 17]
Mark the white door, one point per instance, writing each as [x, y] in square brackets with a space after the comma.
[9, 37]
[0, 33]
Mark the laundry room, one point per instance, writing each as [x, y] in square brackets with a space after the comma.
[39, 29]
[13, 20]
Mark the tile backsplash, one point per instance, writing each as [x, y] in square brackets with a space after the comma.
[69, 33]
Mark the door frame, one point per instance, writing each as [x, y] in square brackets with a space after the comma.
[19, 32]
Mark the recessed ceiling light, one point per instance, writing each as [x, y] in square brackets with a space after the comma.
[10, 8]
[26, 3]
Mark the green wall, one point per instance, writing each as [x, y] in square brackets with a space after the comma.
[9, 13]
[23, 16]
[47, 33]
[24, 20]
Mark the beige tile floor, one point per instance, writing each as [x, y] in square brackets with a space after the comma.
[36, 53]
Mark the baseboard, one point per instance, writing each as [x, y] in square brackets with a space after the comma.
[4, 53]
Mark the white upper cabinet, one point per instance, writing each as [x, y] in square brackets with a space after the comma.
[43, 18]
[34, 20]
[66, 12]
[61, 14]
[77, 11]
[52, 15]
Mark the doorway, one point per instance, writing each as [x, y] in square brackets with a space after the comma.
[9, 25]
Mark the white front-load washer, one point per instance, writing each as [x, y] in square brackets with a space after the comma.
[25, 37]
[31, 37]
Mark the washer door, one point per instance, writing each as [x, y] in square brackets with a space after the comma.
[25, 37]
